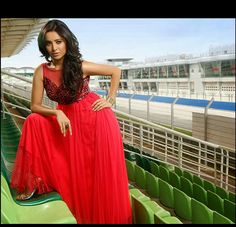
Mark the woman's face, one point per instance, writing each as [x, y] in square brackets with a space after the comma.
[55, 45]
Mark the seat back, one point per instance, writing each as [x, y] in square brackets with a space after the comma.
[166, 194]
[8, 212]
[174, 180]
[188, 175]
[215, 202]
[140, 177]
[130, 170]
[182, 204]
[201, 214]
[163, 173]
[209, 186]
[152, 185]
[198, 180]
[220, 219]
[229, 210]
[186, 186]
[199, 193]
[154, 168]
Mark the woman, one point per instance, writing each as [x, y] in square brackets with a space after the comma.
[75, 149]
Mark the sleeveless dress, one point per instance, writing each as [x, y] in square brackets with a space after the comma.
[86, 168]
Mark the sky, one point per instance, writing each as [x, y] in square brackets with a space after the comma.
[137, 38]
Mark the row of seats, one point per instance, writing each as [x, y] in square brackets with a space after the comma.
[167, 194]
[147, 211]
[169, 173]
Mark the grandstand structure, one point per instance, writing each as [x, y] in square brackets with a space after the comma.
[210, 75]
[173, 177]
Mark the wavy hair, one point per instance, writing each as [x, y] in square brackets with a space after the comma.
[72, 75]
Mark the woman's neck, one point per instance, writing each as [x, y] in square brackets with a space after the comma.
[56, 64]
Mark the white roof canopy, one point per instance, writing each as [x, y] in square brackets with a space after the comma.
[16, 33]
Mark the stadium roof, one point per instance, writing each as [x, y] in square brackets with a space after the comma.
[16, 33]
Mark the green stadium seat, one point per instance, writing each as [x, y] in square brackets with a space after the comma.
[198, 180]
[186, 186]
[163, 173]
[166, 194]
[166, 220]
[188, 175]
[232, 197]
[220, 219]
[201, 214]
[215, 202]
[152, 186]
[174, 180]
[199, 193]
[209, 186]
[182, 204]
[48, 213]
[140, 177]
[154, 168]
[130, 170]
[229, 210]
[178, 171]
[222, 192]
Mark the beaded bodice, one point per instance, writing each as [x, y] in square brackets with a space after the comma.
[56, 91]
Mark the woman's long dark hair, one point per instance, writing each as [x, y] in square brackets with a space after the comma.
[72, 75]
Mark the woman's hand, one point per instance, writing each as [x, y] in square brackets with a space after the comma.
[100, 104]
[63, 122]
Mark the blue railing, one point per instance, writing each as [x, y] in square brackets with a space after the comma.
[219, 105]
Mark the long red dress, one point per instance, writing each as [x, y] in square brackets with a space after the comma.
[87, 168]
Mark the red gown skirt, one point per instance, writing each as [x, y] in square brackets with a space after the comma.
[86, 168]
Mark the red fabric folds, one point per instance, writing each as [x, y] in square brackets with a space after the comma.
[87, 169]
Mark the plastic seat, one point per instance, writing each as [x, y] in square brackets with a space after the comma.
[188, 175]
[163, 173]
[232, 197]
[215, 202]
[47, 213]
[198, 180]
[222, 192]
[174, 180]
[178, 171]
[152, 185]
[186, 186]
[130, 170]
[229, 210]
[140, 177]
[209, 186]
[144, 211]
[199, 193]
[167, 166]
[166, 194]
[182, 204]
[166, 220]
[201, 214]
[154, 168]
[136, 194]
[220, 219]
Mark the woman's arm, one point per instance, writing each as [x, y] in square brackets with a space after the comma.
[114, 72]
[37, 98]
